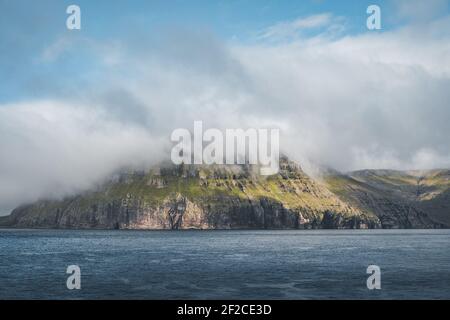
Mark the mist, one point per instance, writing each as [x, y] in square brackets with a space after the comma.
[368, 101]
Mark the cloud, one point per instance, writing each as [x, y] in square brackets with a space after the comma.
[53, 149]
[420, 11]
[288, 30]
[374, 96]
[374, 100]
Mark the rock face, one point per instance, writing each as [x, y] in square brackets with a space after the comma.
[233, 197]
[400, 199]
[185, 197]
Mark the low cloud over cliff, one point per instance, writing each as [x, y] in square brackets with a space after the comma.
[350, 101]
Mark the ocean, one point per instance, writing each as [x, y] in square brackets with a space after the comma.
[235, 264]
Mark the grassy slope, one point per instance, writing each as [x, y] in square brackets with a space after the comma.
[291, 187]
[298, 192]
[426, 190]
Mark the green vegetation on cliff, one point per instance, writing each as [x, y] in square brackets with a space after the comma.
[199, 197]
[399, 198]
[224, 197]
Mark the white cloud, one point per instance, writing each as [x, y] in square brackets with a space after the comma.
[376, 100]
[288, 30]
[52, 149]
[419, 10]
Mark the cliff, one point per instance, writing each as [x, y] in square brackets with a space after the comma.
[185, 197]
[234, 197]
[400, 199]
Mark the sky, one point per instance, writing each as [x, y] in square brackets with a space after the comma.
[78, 105]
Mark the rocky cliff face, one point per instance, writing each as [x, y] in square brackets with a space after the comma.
[399, 199]
[224, 197]
[184, 197]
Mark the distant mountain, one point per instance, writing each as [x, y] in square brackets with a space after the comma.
[400, 199]
[234, 197]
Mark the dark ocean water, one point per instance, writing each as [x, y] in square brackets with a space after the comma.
[225, 264]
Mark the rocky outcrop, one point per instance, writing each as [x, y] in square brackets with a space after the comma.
[399, 199]
[227, 197]
[179, 212]
[196, 197]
